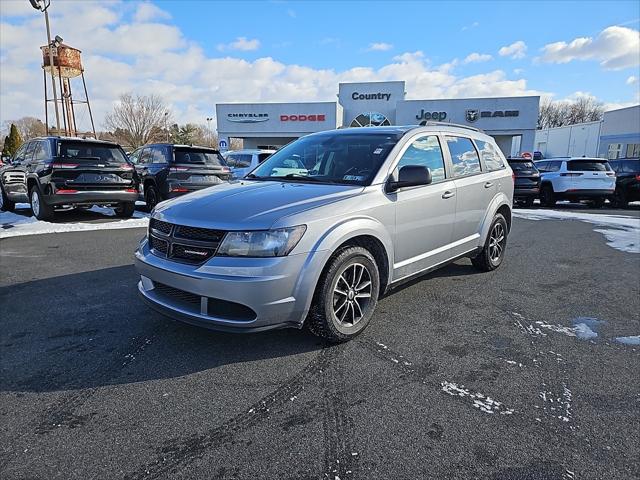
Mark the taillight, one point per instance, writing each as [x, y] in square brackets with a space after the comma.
[131, 190]
[638, 177]
[179, 189]
[64, 165]
[66, 191]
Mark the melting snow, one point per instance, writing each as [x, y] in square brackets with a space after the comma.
[632, 340]
[621, 232]
[482, 402]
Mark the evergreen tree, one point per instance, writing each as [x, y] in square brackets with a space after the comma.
[12, 142]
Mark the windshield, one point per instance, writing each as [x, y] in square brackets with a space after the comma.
[87, 152]
[521, 166]
[332, 157]
[198, 156]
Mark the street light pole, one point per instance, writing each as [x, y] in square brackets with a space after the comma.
[209, 130]
[43, 5]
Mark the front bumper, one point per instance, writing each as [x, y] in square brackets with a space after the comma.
[92, 197]
[271, 292]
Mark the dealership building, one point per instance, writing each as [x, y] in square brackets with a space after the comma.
[510, 120]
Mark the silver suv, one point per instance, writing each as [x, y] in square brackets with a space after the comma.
[317, 232]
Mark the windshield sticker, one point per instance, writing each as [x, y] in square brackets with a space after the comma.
[377, 151]
[353, 178]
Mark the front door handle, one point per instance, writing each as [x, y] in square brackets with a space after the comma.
[448, 194]
[488, 184]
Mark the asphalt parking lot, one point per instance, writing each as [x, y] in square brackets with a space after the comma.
[513, 374]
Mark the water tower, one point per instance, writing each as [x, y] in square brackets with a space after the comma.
[63, 63]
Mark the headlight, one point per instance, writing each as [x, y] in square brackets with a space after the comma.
[261, 243]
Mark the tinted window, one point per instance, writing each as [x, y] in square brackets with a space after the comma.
[588, 166]
[332, 157]
[464, 156]
[145, 156]
[41, 151]
[522, 166]
[263, 156]
[198, 156]
[159, 155]
[553, 166]
[134, 157]
[425, 151]
[542, 166]
[490, 156]
[81, 152]
[28, 153]
[630, 166]
[242, 160]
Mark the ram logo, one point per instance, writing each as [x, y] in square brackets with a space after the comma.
[471, 115]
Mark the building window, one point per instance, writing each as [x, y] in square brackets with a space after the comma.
[633, 150]
[370, 119]
[614, 151]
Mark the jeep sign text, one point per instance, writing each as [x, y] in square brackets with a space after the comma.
[439, 116]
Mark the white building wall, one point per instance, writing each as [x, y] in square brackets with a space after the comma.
[570, 141]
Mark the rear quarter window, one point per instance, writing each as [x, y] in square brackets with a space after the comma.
[463, 156]
[490, 156]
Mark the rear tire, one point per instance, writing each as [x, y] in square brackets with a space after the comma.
[151, 197]
[6, 205]
[492, 253]
[125, 210]
[547, 196]
[619, 199]
[346, 296]
[39, 207]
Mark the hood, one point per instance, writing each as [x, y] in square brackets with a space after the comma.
[249, 205]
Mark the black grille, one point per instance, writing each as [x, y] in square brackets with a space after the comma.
[196, 233]
[181, 243]
[192, 254]
[177, 294]
[159, 245]
[160, 226]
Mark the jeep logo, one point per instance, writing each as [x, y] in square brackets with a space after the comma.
[438, 116]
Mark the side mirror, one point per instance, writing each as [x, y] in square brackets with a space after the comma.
[410, 176]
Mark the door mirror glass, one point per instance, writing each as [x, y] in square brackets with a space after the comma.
[410, 176]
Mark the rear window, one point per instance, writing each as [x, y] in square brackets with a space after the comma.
[630, 166]
[198, 156]
[521, 166]
[588, 166]
[87, 152]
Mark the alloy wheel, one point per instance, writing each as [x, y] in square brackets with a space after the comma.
[496, 242]
[352, 294]
[35, 202]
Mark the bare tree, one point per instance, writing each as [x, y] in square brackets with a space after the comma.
[29, 127]
[138, 120]
[560, 113]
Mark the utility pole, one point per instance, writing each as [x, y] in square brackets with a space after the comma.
[209, 130]
[43, 5]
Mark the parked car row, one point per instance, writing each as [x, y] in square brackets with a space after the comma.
[593, 180]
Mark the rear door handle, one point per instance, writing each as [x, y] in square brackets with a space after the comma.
[488, 185]
[448, 194]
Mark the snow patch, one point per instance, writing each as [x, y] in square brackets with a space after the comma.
[482, 402]
[621, 232]
[632, 340]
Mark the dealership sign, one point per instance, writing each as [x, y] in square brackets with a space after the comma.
[472, 115]
[370, 96]
[247, 117]
[439, 116]
[303, 118]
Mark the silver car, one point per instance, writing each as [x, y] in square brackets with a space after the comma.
[317, 232]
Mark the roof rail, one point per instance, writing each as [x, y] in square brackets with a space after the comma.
[428, 123]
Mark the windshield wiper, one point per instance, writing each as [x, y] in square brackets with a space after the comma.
[300, 176]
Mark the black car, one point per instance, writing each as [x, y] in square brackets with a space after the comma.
[61, 172]
[627, 181]
[167, 170]
[526, 181]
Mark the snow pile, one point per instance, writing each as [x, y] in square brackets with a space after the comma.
[622, 232]
[632, 340]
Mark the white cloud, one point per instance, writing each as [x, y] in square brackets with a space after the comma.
[518, 71]
[615, 48]
[241, 43]
[379, 47]
[147, 11]
[473, 25]
[515, 50]
[477, 58]
[632, 79]
[121, 54]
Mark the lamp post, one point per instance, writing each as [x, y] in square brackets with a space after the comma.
[42, 6]
[209, 129]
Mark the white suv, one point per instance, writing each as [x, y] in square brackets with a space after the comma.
[575, 179]
[242, 162]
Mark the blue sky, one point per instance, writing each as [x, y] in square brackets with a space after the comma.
[197, 53]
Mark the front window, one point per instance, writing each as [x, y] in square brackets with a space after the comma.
[333, 157]
[425, 151]
[87, 152]
[370, 119]
[201, 156]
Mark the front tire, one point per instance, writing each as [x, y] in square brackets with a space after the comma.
[125, 210]
[547, 196]
[346, 296]
[492, 253]
[6, 205]
[39, 207]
